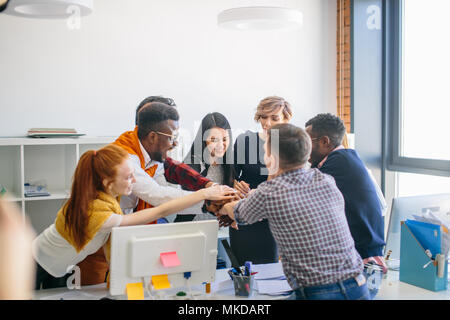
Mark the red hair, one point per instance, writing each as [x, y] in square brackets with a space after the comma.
[93, 167]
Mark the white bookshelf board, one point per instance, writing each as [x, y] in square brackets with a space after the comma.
[25, 160]
[54, 160]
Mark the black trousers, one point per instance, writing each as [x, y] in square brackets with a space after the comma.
[45, 280]
[254, 242]
[184, 217]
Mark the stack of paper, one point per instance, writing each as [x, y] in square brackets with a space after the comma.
[271, 279]
[268, 271]
[273, 287]
[52, 132]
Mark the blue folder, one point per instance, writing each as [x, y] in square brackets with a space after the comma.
[413, 257]
[428, 234]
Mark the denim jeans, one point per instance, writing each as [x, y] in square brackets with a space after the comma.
[374, 276]
[342, 290]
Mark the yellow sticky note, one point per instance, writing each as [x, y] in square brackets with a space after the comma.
[135, 291]
[161, 282]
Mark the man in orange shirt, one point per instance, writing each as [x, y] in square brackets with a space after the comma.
[156, 173]
[148, 145]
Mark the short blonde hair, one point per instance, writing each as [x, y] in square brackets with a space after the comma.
[272, 103]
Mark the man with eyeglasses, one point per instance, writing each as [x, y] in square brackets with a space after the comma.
[158, 177]
[362, 205]
[155, 135]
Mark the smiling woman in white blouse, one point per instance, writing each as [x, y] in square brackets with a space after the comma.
[211, 155]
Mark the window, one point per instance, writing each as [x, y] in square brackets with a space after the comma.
[417, 69]
[411, 184]
[426, 72]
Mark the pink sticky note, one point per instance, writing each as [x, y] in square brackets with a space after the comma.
[170, 259]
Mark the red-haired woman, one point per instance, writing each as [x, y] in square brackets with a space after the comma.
[84, 223]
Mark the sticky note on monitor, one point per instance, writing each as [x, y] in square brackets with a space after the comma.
[170, 259]
[135, 291]
[160, 282]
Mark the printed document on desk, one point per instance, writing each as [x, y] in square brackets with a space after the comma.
[271, 279]
[273, 287]
[268, 271]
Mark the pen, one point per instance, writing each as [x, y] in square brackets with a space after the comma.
[237, 271]
[248, 268]
[234, 271]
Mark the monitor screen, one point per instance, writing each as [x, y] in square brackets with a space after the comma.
[139, 253]
[404, 208]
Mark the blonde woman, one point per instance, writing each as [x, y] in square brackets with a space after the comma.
[255, 242]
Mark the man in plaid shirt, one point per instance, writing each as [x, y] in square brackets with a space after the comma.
[306, 215]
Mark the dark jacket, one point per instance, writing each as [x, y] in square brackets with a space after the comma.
[362, 206]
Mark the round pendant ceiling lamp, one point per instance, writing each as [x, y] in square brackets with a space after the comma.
[49, 9]
[260, 18]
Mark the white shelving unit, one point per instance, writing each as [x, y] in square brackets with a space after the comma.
[25, 160]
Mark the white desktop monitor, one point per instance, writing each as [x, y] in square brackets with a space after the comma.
[404, 208]
[136, 253]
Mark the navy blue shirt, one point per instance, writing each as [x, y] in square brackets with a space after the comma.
[362, 206]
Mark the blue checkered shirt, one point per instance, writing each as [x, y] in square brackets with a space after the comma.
[306, 215]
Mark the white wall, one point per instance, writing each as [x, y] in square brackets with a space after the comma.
[93, 78]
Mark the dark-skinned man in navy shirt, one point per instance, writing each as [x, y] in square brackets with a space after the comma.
[362, 205]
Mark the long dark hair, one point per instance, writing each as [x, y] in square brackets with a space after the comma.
[196, 154]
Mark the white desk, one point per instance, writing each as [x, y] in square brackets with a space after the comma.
[393, 289]
[221, 289]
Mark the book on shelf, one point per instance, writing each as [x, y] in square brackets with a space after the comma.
[32, 190]
[52, 132]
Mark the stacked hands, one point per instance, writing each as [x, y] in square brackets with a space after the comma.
[223, 208]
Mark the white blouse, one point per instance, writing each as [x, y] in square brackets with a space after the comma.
[57, 256]
[215, 174]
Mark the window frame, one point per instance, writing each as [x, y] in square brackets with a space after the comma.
[392, 87]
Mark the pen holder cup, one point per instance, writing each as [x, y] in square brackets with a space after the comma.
[243, 285]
